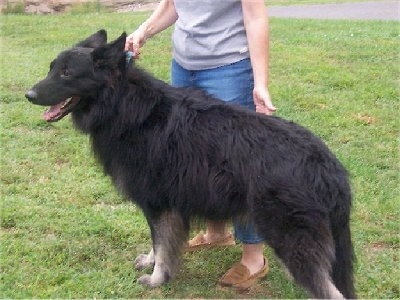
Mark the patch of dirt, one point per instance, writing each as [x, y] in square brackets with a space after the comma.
[382, 246]
[365, 119]
[41, 7]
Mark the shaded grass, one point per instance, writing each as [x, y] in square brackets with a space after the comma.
[65, 232]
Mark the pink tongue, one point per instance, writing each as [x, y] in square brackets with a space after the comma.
[53, 112]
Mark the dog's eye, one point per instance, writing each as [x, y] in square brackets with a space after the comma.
[65, 73]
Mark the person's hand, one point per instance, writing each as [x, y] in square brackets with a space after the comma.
[263, 102]
[135, 41]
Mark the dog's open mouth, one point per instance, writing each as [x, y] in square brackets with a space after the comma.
[60, 110]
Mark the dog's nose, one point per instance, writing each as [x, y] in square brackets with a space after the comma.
[31, 95]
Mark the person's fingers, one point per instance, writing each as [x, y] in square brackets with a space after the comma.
[264, 110]
[136, 53]
[263, 102]
[129, 43]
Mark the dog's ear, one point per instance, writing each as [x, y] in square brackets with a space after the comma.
[111, 54]
[95, 40]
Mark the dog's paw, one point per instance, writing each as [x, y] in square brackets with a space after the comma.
[149, 281]
[144, 261]
[157, 278]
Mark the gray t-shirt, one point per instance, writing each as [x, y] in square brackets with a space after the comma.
[209, 33]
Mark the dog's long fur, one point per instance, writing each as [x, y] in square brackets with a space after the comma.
[179, 154]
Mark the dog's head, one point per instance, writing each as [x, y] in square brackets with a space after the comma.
[77, 74]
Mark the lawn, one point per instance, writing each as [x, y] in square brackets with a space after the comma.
[66, 233]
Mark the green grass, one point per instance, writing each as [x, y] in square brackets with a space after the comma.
[96, 6]
[65, 232]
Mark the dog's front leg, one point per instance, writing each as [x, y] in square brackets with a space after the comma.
[162, 271]
[168, 233]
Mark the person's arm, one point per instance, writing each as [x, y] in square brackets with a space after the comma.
[163, 16]
[255, 18]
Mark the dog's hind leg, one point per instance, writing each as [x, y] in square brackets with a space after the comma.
[302, 239]
[168, 233]
[308, 252]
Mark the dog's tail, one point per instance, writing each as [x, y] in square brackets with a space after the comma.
[342, 268]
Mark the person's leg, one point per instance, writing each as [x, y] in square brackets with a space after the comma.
[253, 265]
[253, 246]
[217, 231]
[252, 257]
[216, 235]
[234, 84]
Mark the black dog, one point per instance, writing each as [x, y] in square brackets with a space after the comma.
[179, 154]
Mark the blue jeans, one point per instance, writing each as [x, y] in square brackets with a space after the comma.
[232, 83]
